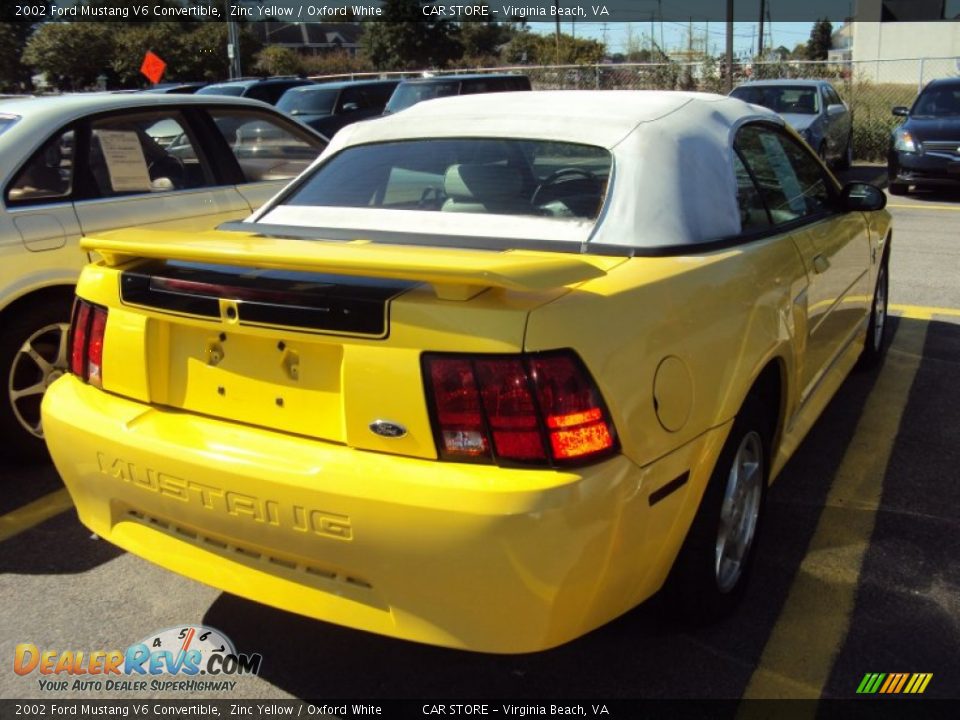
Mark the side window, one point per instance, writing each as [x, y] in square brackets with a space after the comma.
[832, 97]
[48, 176]
[753, 213]
[143, 153]
[791, 181]
[380, 94]
[351, 100]
[265, 148]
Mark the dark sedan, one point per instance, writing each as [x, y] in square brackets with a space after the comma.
[328, 107]
[925, 150]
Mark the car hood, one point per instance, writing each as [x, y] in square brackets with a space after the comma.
[934, 128]
[799, 121]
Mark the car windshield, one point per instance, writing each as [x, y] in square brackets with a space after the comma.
[308, 102]
[222, 90]
[408, 94]
[536, 178]
[938, 102]
[797, 99]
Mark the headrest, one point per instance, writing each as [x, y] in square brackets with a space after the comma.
[482, 182]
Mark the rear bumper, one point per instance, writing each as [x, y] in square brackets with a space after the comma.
[465, 556]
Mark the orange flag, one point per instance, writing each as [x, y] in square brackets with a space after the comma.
[153, 67]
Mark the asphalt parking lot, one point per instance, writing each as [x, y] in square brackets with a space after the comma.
[857, 573]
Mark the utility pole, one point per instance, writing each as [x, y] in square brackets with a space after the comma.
[729, 78]
[556, 5]
[760, 46]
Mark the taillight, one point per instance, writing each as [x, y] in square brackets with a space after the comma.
[86, 341]
[541, 409]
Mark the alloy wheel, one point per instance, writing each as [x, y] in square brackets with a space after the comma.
[41, 360]
[739, 512]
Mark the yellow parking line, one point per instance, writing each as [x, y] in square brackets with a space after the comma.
[923, 312]
[954, 208]
[24, 518]
[815, 619]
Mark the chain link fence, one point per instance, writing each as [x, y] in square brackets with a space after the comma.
[870, 88]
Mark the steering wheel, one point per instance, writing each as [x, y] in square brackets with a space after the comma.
[171, 167]
[561, 175]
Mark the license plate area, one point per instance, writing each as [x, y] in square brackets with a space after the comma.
[291, 386]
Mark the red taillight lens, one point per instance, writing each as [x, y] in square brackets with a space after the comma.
[78, 337]
[86, 341]
[457, 410]
[571, 405]
[527, 409]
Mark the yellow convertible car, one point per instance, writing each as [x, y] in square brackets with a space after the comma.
[490, 373]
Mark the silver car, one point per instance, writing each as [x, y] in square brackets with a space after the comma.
[79, 164]
[812, 108]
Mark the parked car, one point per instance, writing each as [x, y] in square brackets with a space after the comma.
[474, 388]
[410, 92]
[77, 164]
[184, 88]
[812, 108]
[328, 107]
[268, 90]
[925, 150]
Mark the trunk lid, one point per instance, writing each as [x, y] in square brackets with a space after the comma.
[316, 338]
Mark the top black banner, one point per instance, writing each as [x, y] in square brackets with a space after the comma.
[593, 11]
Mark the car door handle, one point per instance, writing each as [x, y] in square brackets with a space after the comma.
[820, 264]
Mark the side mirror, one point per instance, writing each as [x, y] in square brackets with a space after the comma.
[901, 111]
[863, 197]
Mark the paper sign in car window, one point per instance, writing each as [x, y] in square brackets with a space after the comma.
[125, 161]
[786, 175]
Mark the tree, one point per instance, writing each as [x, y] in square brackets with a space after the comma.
[132, 41]
[14, 75]
[482, 41]
[818, 45]
[277, 60]
[407, 39]
[72, 54]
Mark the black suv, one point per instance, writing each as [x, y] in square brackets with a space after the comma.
[327, 107]
[269, 90]
[410, 92]
[925, 150]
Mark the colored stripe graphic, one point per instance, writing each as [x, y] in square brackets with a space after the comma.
[894, 683]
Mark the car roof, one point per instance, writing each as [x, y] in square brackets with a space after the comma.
[671, 149]
[941, 82]
[462, 76]
[339, 85]
[71, 106]
[595, 117]
[784, 81]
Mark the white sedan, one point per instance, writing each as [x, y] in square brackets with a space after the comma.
[79, 164]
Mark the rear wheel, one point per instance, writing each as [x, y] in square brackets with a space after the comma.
[846, 160]
[33, 353]
[714, 564]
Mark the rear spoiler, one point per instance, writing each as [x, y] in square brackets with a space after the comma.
[454, 273]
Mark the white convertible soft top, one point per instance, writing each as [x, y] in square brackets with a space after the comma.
[673, 181]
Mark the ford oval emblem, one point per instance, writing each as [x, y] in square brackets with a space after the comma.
[384, 428]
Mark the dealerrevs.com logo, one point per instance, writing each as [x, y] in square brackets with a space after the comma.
[184, 653]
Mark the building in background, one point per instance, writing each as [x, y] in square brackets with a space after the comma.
[883, 33]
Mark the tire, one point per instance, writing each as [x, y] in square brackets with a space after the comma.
[711, 572]
[846, 160]
[876, 346]
[896, 188]
[33, 353]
